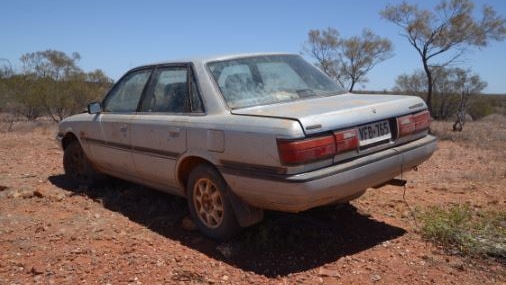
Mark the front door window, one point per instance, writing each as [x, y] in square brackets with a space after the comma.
[126, 94]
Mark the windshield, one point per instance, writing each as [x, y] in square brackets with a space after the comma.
[263, 80]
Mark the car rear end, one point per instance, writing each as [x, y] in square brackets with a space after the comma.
[345, 143]
[338, 164]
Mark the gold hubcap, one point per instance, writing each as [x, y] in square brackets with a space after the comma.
[208, 203]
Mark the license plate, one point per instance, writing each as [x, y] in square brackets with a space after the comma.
[375, 132]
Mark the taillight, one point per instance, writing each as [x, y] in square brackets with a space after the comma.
[307, 150]
[312, 149]
[346, 140]
[406, 125]
[422, 121]
[414, 123]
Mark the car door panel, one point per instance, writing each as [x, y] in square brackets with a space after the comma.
[159, 129]
[157, 142]
[111, 148]
[109, 137]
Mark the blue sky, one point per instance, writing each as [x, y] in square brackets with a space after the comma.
[116, 35]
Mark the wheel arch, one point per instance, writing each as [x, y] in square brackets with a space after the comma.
[246, 214]
[68, 139]
[186, 166]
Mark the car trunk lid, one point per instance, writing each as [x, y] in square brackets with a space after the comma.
[338, 112]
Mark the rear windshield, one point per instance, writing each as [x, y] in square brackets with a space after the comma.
[262, 80]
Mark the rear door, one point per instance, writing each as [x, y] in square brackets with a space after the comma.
[110, 136]
[159, 131]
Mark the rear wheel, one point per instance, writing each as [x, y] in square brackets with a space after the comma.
[77, 166]
[210, 205]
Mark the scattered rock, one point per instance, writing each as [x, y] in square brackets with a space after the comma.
[27, 175]
[375, 278]
[328, 272]
[35, 271]
[40, 229]
[225, 249]
[59, 197]
[188, 224]
[38, 194]
[27, 194]
[229, 250]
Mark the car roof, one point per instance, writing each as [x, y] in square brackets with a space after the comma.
[206, 59]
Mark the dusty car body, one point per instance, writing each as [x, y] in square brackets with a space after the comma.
[239, 134]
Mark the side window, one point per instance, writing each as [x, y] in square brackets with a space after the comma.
[169, 92]
[126, 94]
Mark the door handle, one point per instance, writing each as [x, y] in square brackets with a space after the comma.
[174, 130]
[123, 129]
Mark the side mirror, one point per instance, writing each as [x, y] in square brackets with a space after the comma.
[94, 108]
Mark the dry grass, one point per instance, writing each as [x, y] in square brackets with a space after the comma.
[488, 133]
[10, 123]
[479, 159]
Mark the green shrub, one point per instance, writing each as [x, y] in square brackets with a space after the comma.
[461, 229]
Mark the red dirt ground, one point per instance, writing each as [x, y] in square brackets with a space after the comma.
[122, 233]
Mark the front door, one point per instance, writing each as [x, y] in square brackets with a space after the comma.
[109, 138]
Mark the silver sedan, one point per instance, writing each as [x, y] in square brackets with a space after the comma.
[239, 134]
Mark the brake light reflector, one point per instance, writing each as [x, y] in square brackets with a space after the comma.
[422, 121]
[414, 123]
[346, 140]
[301, 151]
[406, 125]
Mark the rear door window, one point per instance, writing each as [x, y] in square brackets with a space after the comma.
[171, 92]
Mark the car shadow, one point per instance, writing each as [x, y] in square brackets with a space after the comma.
[278, 246]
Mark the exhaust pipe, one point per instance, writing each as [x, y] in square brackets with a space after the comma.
[397, 182]
[393, 182]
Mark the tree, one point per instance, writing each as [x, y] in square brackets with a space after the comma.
[50, 64]
[449, 30]
[23, 96]
[347, 60]
[453, 90]
[5, 74]
[323, 46]
[469, 85]
[414, 84]
[57, 84]
[53, 72]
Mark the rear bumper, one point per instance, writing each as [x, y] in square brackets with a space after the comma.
[341, 182]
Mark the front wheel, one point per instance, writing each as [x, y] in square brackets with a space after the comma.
[77, 166]
[210, 205]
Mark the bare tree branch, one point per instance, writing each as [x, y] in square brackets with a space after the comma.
[451, 27]
[347, 60]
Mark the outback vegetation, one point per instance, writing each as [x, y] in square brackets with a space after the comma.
[446, 33]
[460, 229]
[440, 37]
[50, 84]
[453, 90]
